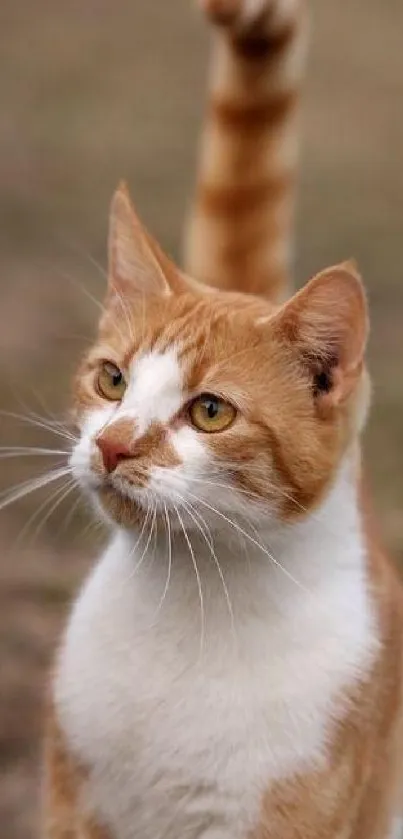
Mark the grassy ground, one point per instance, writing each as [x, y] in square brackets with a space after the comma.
[92, 91]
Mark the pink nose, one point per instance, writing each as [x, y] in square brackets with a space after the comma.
[112, 451]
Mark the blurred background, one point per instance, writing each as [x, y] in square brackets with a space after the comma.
[93, 91]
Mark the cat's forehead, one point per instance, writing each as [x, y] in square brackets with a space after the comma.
[197, 331]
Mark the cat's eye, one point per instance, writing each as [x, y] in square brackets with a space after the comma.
[110, 382]
[210, 414]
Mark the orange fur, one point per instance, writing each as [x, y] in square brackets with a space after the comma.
[239, 235]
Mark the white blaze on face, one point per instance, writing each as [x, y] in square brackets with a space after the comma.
[155, 389]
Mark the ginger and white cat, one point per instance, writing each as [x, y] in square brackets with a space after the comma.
[233, 666]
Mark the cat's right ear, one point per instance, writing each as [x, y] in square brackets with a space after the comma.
[326, 325]
[136, 264]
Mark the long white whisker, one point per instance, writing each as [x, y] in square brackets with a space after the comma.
[202, 521]
[199, 585]
[36, 514]
[143, 555]
[49, 417]
[231, 487]
[138, 540]
[40, 423]
[57, 499]
[168, 579]
[21, 451]
[72, 279]
[70, 514]
[276, 490]
[31, 486]
[217, 564]
[80, 251]
[87, 294]
[252, 540]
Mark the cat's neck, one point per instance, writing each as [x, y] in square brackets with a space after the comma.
[313, 568]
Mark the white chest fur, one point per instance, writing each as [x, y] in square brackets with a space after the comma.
[183, 741]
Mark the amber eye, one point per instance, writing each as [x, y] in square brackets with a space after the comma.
[209, 413]
[110, 382]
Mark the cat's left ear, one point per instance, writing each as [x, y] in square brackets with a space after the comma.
[136, 263]
[326, 325]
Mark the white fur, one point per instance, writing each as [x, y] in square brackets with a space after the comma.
[92, 424]
[184, 737]
[155, 389]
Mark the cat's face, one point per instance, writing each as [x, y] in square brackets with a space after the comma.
[210, 404]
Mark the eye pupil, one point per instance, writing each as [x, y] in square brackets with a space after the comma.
[110, 382]
[211, 413]
[212, 409]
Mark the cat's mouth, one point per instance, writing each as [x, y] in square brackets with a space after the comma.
[127, 500]
[124, 502]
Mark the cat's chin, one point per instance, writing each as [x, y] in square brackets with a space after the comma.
[119, 508]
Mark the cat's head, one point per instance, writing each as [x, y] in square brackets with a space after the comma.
[194, 400]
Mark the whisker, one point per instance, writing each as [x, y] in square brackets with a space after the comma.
[199, 586]
[252, 540]
[40, 423]
[168, 579]
[70, 514]
[275, 489]
[218, 566]
[94, 525]
[34, 484]
[36, 514]
[72, 279]
[48, 417]
[22, 451]
[204, 525]
[231, 487]
[57, 498]
[143, 556]
[84, 290]
[79, 250]
[132, 550]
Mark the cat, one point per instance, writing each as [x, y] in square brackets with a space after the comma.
[233, 666]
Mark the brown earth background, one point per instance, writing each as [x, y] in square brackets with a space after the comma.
[94, 90]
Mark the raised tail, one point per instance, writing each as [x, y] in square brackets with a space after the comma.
[240, 229]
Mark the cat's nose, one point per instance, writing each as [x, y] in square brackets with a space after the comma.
[113, 451]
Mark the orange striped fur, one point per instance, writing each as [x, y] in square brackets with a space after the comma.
[240, 231]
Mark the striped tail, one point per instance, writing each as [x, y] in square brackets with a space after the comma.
[239, 236]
